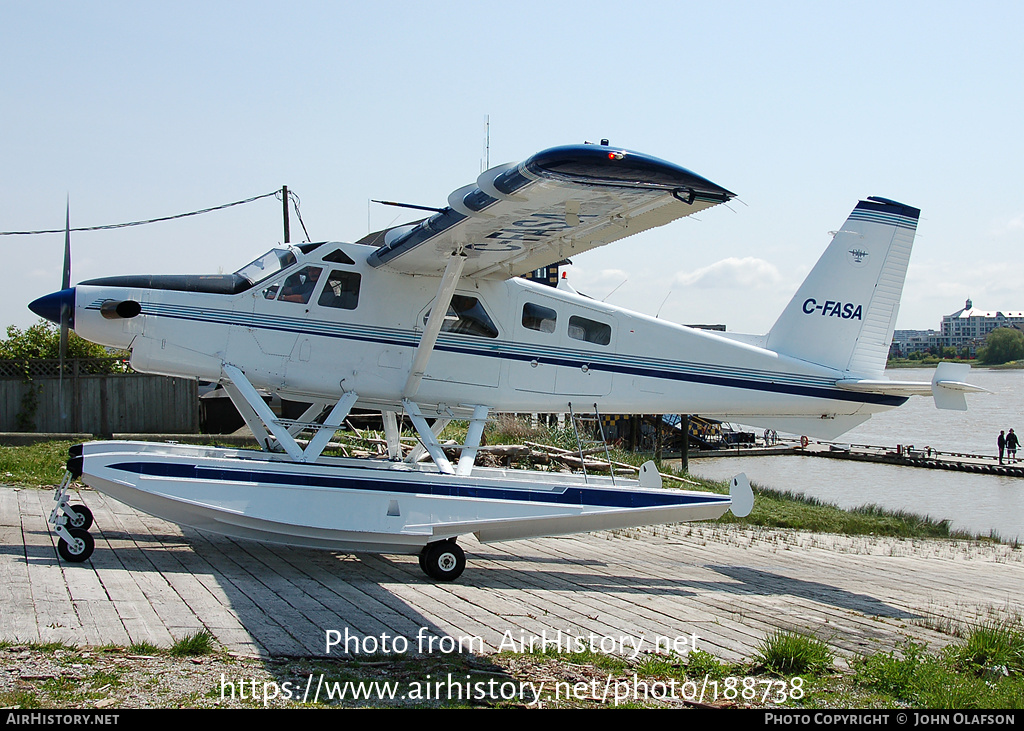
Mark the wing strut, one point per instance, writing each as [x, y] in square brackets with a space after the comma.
[449, 280]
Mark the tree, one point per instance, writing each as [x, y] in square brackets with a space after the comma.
[42, 340]
[1002, 345]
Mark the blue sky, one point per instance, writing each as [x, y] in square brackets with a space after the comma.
[137, 110]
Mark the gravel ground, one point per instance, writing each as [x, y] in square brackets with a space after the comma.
[112, 679]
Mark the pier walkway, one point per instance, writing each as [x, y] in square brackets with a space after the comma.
[720, 588]
[909, 456]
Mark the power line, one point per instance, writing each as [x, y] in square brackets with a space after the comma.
[294, 198]
[152, 220]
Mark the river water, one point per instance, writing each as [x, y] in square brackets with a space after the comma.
[975, 503]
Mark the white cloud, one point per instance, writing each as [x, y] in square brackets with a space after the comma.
[746, 272]
[1009, 226]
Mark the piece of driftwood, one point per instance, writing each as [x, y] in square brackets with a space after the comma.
[624, 465]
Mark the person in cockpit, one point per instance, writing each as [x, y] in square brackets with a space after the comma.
[299, 286]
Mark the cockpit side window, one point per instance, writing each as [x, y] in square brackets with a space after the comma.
[341, 290]
[466, 316]
[298, 287]
[538, 317]
[580, 328]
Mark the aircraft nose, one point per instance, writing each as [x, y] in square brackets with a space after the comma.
[51, 305]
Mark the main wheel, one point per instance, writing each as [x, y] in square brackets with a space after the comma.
[80, 548]
[444, 560]
[81, 517]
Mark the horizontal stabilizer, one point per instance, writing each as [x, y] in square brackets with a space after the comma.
[947, 386]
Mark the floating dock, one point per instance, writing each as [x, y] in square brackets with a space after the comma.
[908, 456]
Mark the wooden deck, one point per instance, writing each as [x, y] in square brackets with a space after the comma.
[153, 581]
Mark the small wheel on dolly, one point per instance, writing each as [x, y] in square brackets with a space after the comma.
[80, 548]
[443, 560]
[80, 517]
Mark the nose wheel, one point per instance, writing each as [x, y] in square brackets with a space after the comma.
[71, 523]
[79, 548]
[443, 560]
[79, 517]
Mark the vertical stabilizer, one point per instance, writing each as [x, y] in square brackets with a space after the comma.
[844, 313]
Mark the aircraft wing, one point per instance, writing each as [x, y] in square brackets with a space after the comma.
[560, 202]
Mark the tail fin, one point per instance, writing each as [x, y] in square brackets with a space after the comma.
[844, 313]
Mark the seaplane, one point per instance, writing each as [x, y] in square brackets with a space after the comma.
[433, 321]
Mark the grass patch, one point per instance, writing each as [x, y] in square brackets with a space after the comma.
[785, 653]
[701, 664]
[953, 680]
[990, 648]
[193, 645]
[603, 661]
[63, 690]
[33, 465]
[143, 648]
[47, 647]
[26, 699]
[785, 509]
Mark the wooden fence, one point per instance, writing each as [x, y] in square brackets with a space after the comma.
[94, 396]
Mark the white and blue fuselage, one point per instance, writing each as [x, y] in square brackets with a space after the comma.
[515, 361]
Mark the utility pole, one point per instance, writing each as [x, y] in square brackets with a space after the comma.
[684, 451]
[284, 202]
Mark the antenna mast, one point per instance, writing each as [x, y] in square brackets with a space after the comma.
[487, 143]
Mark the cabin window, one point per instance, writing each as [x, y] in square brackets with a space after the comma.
[339, 257]
[536, 317]
[341, 290]
[298, 287]
[466, 316]
[580, 328]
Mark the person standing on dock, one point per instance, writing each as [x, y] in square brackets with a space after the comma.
[1011, 446]
[1001, 443]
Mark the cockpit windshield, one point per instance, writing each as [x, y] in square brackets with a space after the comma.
[267, 265]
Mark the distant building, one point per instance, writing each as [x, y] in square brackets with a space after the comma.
[905, 342]
[969, 326]
[965, 328]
